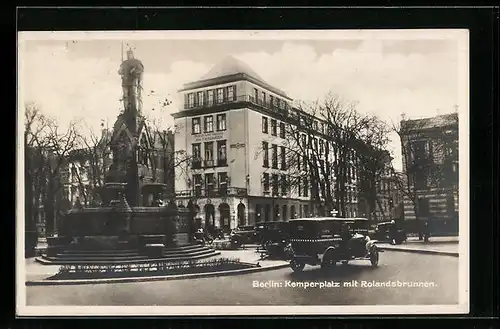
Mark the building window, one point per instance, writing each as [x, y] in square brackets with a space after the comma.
[231, 95]
[265, 181]
[190, 103]
[265, 149]
[282, 104]
[196, 126]
[304, 163]
[271, 101]
[273, 127]
[299, 185]
[221, 122]
[423, 207]
[321, 128]
[315, 145]
[283, 157]
[196, 163]
[275, 184]
[209, 154]
[265, 127]
[220, 95]
[315, 126]
[419, 150]
[200, 99]
[221, 153]
[299, 161]
[306, 187]
[284, 185]
[222, 180]
[209, 124]
[321, 147]
[197, 184]
[303, 139]
[282, 129]
[263, 98]
[450, 205]
[275, 156]
[210, 97]
[256, 95]
[209, 184]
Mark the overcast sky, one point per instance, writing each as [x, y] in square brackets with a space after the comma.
[78, 77]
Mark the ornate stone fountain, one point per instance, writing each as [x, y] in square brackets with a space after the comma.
[121, 226]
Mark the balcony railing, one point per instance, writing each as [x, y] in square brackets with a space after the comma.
[239, 99]
[213, 192]
[198, 164]
[209, 163]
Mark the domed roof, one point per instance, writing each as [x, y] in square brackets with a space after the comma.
[230, 66]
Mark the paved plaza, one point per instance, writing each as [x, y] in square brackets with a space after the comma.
[440, 273]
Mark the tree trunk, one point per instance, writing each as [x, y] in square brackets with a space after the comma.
[49, 208]
[30, 232]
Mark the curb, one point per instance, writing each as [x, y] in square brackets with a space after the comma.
[421, 251]
[155, 278]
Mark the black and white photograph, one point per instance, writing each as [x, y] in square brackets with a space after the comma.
[250, 172]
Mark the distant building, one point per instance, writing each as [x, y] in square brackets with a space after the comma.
[378, 194]
[86, 168]
[430, 162]
[233, 126]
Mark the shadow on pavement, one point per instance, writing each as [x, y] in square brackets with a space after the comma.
[338, 272]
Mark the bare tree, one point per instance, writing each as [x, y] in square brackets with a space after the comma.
[157, 150]
[373, 162]
[59, 146]
[90, 162]
[320, 148]
[35, 124]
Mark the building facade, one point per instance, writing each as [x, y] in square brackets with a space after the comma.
[233, 125]
[430, 164]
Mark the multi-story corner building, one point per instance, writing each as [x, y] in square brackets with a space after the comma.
[430, 162]
[233, 124]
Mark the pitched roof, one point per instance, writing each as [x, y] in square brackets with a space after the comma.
[433, 122]
[229, 66]
[228, 70]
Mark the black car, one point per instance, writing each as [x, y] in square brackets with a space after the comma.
[391, 232]
[327, 241]
[274, 238]
[244, 235]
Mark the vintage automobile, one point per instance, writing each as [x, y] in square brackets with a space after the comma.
[329, 240]
[244, 235]
[391, 232]
[274, 238]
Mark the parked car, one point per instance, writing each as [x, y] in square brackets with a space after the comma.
[391, 232]
[244, 235]
[274, 238]
[329, 240]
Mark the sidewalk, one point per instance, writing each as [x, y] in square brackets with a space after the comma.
[38, 272]
[442, 246]
[437, 239]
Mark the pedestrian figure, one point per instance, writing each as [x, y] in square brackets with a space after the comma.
[392, 232]
[426, 232]
[78, 204]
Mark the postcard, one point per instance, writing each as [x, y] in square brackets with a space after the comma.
[307, 172]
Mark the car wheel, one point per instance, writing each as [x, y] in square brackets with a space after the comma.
[296, 266]
[374, 258]
[328, 262]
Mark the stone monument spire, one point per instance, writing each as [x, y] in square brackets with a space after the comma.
[127, 128]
